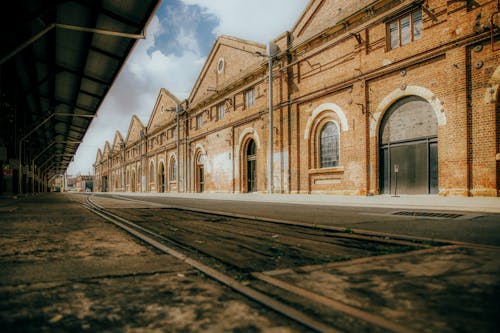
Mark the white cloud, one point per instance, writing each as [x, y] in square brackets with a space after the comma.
[256, 20]
[152, 67]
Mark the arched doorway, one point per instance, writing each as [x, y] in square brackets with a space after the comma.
[132, 181]
[251, 164]
[105, 183]
[161, 178]
[408, 148]
[199, 171]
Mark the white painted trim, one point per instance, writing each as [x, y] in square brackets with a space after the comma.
[397, 94]
[197, 147]
[326, 107]
[255, 136]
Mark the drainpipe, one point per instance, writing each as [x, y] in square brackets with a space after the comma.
[492, 29]
[177, 160]
[271, 148]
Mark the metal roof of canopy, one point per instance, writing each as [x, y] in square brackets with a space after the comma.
[58, 60]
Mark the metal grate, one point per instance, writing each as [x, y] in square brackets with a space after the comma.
[429, 214]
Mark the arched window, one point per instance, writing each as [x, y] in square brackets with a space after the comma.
[173, 169]
[329, 145]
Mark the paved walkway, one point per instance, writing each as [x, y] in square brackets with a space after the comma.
[434, 202]
[469, 204]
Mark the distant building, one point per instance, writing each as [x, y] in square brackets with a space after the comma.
[84, 183]
[367, 94]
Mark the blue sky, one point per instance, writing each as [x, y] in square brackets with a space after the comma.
[179, 38]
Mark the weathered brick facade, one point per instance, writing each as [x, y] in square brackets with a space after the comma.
[426, 71]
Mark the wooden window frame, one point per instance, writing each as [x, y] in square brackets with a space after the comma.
[408, 14]
[199, 121]
[246, 99]
[221, 111]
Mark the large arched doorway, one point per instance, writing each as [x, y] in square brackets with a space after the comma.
[408, 148]
[161, 178]
[251, 166]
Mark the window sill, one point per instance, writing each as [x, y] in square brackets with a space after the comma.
[332, 170]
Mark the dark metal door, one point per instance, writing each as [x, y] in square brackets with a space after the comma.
[252, 175]
[433, 168]
[417, 168]
[201, 179]
[251, 166]
[162, 179]
[411, 162]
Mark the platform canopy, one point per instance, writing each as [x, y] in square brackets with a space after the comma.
[58, 60]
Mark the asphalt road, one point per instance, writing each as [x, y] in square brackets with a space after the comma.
[470, 227]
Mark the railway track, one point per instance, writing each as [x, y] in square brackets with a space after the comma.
[247, 255]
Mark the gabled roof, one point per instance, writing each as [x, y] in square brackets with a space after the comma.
[117, 141]
[107, 149]
[320, 15]
[235, 54]
[164, 110]
[98, 158]
[134, 130]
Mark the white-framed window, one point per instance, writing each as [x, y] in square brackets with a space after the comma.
[199, 121]
[329, 145]
[405, 29]
[221, 111]
[249, 98]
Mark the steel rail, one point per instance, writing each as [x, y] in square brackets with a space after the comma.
[253, 294]
[269, 277]
[351, 232]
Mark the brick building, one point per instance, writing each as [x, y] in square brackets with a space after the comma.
[366, 94]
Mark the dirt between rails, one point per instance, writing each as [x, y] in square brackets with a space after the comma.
[251, 245]
[64, 270]
[448, 290]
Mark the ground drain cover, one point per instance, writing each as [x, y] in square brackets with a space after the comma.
[429, 214]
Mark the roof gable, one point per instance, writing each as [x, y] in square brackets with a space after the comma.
[162, 112]
[134, 130]
[98, 158]
[229, 57]
[117, 141]
[106, 151]
[322, 14]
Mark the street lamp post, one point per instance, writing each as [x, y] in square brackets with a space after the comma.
[143, 180]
